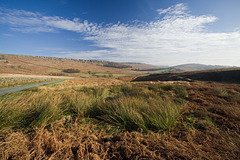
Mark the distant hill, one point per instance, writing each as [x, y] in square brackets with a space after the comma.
[40, 65]
[196, 67]
[179, 68]
[142, 66]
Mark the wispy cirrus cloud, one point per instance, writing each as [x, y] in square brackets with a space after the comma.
[178, 9]
[7, 35]
[177, 37]
[24, 21]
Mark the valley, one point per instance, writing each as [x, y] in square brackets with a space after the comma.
[103, 112]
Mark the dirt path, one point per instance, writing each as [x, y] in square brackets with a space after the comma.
[15, 89]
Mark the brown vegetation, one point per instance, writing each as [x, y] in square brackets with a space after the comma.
[208, 126]
[82, 142]
[71, 70]
[20, 64]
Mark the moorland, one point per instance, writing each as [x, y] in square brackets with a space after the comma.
[112, 110]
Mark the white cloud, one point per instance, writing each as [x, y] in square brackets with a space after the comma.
[178, 9]
[178, 37]
[24, 21]
[8, 35]
[97, 54]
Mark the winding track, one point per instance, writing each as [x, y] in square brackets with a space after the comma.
[15, 89]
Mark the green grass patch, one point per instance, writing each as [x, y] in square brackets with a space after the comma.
[139, 113]
[161, 71]
[101, 75]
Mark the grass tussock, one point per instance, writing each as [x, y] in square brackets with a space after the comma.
[130, 113]
[28, 110]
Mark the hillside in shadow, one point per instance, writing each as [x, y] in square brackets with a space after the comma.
[223, 75]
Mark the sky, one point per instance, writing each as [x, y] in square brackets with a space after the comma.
[158, 32]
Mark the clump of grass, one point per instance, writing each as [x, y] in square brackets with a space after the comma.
[179, 101]
[160, 115]
[204, 124]
[181, 92]
[131, 113]
[121, 112]
[236, 98]
[10, 115]
[221, 92]
[84, 89]
[94, 91]
[29, 108]
[77, 104]
[46, 111]
[167, 87]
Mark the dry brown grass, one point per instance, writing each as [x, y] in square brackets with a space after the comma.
[83, 142]
[20, 64]
[94, 82]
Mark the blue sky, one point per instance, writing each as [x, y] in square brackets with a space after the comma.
[160, 32]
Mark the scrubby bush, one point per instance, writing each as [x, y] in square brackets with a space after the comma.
[71, 70]
[57, 74]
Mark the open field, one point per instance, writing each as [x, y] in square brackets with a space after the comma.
[106, 118]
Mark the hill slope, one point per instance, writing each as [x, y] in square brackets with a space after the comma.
[221, 75]
[183, 67]
[195, 67]
[22, 64]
